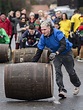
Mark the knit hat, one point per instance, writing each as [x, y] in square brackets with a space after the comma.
[37, 22]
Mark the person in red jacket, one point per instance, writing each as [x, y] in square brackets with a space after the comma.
[5, 24]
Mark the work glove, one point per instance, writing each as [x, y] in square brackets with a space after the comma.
[71, 34]
[24, 39]
[37, 39]
[52, 56]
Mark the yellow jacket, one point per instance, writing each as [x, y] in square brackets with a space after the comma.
[65, 26]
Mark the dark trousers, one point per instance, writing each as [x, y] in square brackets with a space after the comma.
[68, 61]
[75, 41]
[12, 38]
[23, 45]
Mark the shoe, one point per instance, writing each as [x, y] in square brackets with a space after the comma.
[76, 90]
[62, 94]
[80, 60]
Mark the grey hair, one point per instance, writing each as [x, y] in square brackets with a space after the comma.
[46, 23]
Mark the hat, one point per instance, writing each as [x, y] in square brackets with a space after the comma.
[37, 22]
[31, 26]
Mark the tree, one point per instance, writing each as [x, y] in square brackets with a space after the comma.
[8, 5]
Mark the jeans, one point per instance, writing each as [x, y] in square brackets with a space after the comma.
[68, 61]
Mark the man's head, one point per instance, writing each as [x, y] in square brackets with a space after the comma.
[46, 28]
[3, 17]
[31, 29]
[56, 25]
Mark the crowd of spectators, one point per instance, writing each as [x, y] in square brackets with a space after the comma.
[27, 28]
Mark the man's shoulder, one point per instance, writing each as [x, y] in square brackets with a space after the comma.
[56, 31]
[37, 32]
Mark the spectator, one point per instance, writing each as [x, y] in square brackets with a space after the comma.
[4, 38]
[6, 25]
[30, 37]
[41, 15]
[31, 18]
[58, 16]
[14, 19]
[80, 34]
[24, 12]
[65, 25]
[37, 25]
[21, 28]
[11, 17]
[75, 23]
[56, 25]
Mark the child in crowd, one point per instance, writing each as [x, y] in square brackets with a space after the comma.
[56, 25]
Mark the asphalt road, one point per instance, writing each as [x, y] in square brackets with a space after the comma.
[70, 103]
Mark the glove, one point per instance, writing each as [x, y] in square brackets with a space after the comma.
[37, 39]
[24, 39]
[1, 36]
[71, 34]
[52, 56]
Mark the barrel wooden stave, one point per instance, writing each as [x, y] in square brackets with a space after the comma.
[26, 55]
[4, 53]
[28, 81]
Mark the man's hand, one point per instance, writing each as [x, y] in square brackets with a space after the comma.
[24, 39]
[9, 36]
[71, 34]
[52, 56]
[1, 36]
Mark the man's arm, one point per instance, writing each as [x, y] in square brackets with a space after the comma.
[62, 46]
[72, 27]
[37, 55]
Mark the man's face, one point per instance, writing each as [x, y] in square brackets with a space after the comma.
[3, 17]
[45, 30]
[31, 31]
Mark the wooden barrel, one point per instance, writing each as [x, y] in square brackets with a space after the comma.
[26, 55]
[28, 81]
[4, 53]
